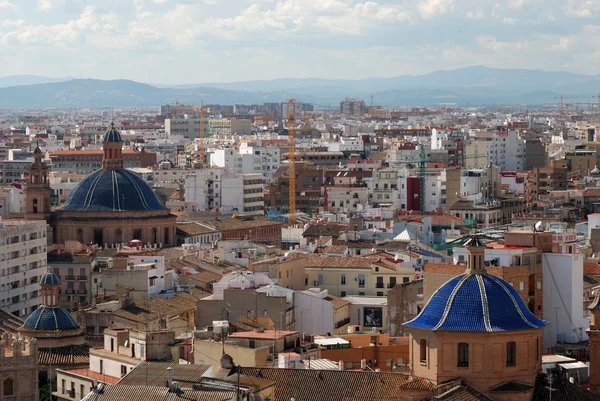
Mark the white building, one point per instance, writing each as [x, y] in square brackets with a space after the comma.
[347, 144]
[228, 159]
[145, 275]
[563, 299]
[22, 264]
[438, 136]
[260, 160]
[314, 312]
[243, 193]
[215, 189]
[507, 151]
[187, 126]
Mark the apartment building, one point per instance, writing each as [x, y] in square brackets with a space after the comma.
[352, 106]
[507, 151]
[225, 191]
[342, 199]
[22, 264]
[259, 160]
[123, 350]
[187, 126]
[14, 170]
[145, 275]
[356, 275]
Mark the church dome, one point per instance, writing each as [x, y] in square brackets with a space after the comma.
[112, 190]
[47, 318]
[112, 135]
[476, 303]
[50, 278]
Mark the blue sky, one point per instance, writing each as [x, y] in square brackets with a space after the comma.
[168, 41]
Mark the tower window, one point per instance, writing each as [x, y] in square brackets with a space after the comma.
[8, 386]
[35, 206]
[511, 353]
[423, 349]
[463, 355]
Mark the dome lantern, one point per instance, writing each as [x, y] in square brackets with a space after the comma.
[112, 145]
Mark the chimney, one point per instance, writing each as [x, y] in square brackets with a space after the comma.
[170, 377]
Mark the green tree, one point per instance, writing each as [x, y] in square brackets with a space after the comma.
[45, 391]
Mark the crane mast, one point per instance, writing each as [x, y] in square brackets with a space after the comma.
[202, 134]
[292, 160]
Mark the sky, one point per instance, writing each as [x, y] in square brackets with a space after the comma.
[195, 41]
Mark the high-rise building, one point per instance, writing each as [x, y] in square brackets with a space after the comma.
[23, 263]
[352, 106]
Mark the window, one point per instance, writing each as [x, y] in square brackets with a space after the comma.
[101, 366]
[388, 363]
[63, 383]
[463, 355]
[423, 353]
[123, 370]
[343, 279]
[521, 286]
[81, 390]
[112, 345]
[511, 353]
[361, 281]
[349, 365]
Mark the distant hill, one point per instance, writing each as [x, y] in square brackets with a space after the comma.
[18, 80]
[79, 93]
[472, 85]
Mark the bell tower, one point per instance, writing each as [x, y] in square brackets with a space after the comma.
[37, 191]
[594, 334]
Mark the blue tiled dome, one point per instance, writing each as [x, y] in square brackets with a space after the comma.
[50, 278]
[476, 303]
[50, 319]
[112, 135]
[112, 190]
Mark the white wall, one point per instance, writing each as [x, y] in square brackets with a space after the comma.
[563, 299]
[314, 315]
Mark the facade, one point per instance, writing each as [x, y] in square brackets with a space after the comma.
[260, 159]
[500, 342]
[86, 161]
[23, 263]
[145, 276]
[187, 126]
[352, 106]
[14, 170]
[355, 275]
[113, 206]
[318, 313]
[507, 151]
[18, 368]
[76, 279]
[309, 182]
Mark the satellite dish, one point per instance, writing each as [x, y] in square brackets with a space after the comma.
[538, 226]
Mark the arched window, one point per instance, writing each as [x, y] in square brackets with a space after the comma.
[137, 234]
[423, 351]
[80, 235]
[8, 386]
[154, 236]
[35, 205]
[118, 235]
[511, 353]
[463, 355]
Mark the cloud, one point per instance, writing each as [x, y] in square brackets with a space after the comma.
[509, 21]
[7, 5]
[434, 8]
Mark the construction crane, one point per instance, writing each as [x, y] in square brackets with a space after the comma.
[202, 134]
[292, 160]
[422, 162]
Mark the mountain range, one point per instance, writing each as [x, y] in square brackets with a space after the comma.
[471, 85]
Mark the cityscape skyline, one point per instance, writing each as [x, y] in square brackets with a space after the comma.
[170, 42]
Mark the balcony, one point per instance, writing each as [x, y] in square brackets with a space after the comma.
[83, 278]
[379, 285]
[69, 291]
[342, 323]
[69, 277]
[83, 292]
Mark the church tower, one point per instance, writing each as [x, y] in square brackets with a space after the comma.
[594, 334]
[112, 146]
[37, 191]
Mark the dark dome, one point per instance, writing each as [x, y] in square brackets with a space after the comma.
[50, 278]
[476, 303]
[50, 319]
[112, 190]
[112, 135]
[166, 161]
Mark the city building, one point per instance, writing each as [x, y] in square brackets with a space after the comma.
[352, 106]
[19, 368]
[23, 263]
